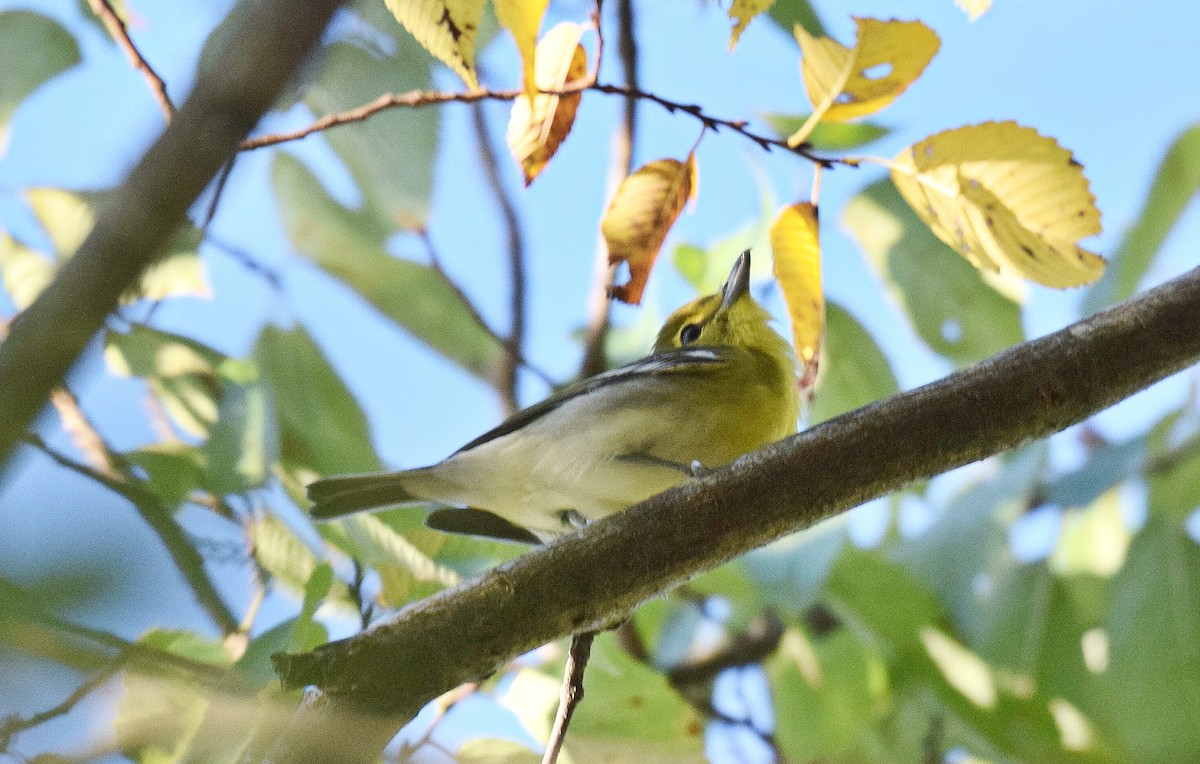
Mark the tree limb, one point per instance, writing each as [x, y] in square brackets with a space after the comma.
[267, 42]
[603, 572]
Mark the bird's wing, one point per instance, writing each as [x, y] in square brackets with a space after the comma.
[470, 521]
[671, 361]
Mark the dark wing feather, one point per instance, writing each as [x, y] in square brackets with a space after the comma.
[659, 363]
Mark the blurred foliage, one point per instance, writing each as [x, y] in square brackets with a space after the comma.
[944, 640]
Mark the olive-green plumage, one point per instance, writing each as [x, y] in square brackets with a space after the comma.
[719, 383]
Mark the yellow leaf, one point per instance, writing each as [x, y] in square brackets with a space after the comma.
[641, 212]
[1007, 198]
[974, 8]
[846, 83]
[522, 18]
[537, 127]
[741, 12]
[445, 28]
[796, 250]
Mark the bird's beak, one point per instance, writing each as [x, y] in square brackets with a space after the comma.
[738, 282]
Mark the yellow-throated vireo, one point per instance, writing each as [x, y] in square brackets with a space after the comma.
[718, 384]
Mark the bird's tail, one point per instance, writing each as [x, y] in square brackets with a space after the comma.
[346, 494]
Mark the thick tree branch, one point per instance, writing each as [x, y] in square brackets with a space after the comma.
[267, 42]
[603, 572]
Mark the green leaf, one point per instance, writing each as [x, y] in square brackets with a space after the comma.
[244, 442]
[173, 470]
[1175, 185]
[828, 136]
[854, 372]
[791, 572]
[830, 696]
[630, 700]
[322, 429]
[952, 306]
[789, 13]
[349, 246]
[1107, 466]
[1175, 475]
[181, 372]
[33, 48]
[1153, 655]
[406, 571]
[391, 154]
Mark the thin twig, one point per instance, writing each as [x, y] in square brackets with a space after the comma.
[247, 261]
[421, 98]
[14, 725]
[366, 610]
[506, 376]
[435, 262]
[161, 520]
[116, 27]
[595, 359]
[572, 692]
[218, 191]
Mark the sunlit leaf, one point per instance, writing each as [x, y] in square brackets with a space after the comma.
[26, 274]
[323, 431]
[1176, 185]
[855, 371]
[827, 136]
[641, 213]
[350, 247]
[741, 13]
[181, 372]
[445, 28]
[1093, 541]
[537, 125]
[522, 18]
[282, 553]
[796, 253]
[406, 572]
[68, 217]
[1006, 198]
[33, 48]
[953, 308]
[974, 8]
[846, 83]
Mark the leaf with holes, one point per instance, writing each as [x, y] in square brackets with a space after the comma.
[796, 250]
[846, 83]
[742, 12]
[1006, 198]
[538, 125]
[522, 19]
[644, 208]
[445, 28]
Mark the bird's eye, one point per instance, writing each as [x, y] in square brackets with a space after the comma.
[689, 334]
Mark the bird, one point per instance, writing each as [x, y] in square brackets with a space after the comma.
[718, 383]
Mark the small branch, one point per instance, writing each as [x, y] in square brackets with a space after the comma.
[162, 521]
[759, 640]
[14, 725]
[366, 610]
[116, 27]
[620, 164]
[435, 262]
[218, 191]
[506, 377]
[413, 99]
[572, 692]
